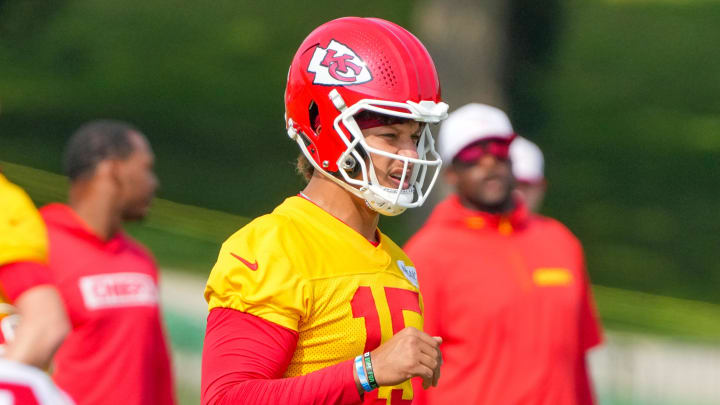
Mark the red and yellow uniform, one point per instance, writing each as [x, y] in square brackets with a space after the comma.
[303, 269]
[23, 250]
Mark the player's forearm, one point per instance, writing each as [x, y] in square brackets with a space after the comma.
[244, 358]
[331, 385]
[43, 326]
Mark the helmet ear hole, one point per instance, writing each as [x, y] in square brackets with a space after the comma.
[349, 164]
[313, 115]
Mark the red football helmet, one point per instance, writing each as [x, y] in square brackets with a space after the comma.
[357, 64]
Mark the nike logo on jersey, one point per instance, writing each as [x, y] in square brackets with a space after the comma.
[251, 266]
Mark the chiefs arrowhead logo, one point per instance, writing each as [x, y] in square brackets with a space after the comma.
[338, 65]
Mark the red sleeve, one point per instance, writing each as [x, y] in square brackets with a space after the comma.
[16, 278]
[164, 386]
[584, 389]
[245, 357]
[590, 336]
[590, 329]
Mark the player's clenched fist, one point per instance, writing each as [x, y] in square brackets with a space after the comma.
[410, 353]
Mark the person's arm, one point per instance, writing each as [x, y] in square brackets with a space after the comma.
[43, 321]
[245, 357]
[165, 386]
[584, 389]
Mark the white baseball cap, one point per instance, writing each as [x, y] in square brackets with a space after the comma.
[469, 124]
[527, 161]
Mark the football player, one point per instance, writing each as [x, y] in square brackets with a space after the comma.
[33, 322]
[312, 303]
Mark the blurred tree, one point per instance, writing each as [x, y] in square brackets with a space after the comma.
[468, 41]
[534, 29]
[205, 83]
[22, 18]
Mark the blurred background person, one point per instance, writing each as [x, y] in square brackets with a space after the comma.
[32, 316]
[116, 351]
[506, 290]
[528, 169]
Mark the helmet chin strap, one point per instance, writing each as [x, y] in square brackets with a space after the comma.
[380, 200]
[385, 199]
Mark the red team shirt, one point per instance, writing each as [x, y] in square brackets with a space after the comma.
[116, 352]
[510, 297]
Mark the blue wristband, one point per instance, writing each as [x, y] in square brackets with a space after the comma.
[361, 374]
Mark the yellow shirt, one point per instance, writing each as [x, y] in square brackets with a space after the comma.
[22, 231]
[303, 269]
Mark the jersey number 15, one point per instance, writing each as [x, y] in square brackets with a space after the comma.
[363, 306]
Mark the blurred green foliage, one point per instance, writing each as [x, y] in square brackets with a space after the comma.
[204, 81]
[628, 116]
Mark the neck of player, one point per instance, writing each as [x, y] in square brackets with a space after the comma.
[97, 207]
[343, 205]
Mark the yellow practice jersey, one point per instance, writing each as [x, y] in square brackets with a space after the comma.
[304, 269]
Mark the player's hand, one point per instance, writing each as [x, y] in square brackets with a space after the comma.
[410, 353]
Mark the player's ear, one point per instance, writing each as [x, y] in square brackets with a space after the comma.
[109, 170]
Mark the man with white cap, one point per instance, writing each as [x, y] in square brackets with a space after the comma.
[528, 169]
[507, 290]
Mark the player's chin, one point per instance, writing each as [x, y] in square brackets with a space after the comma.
[493, 197]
